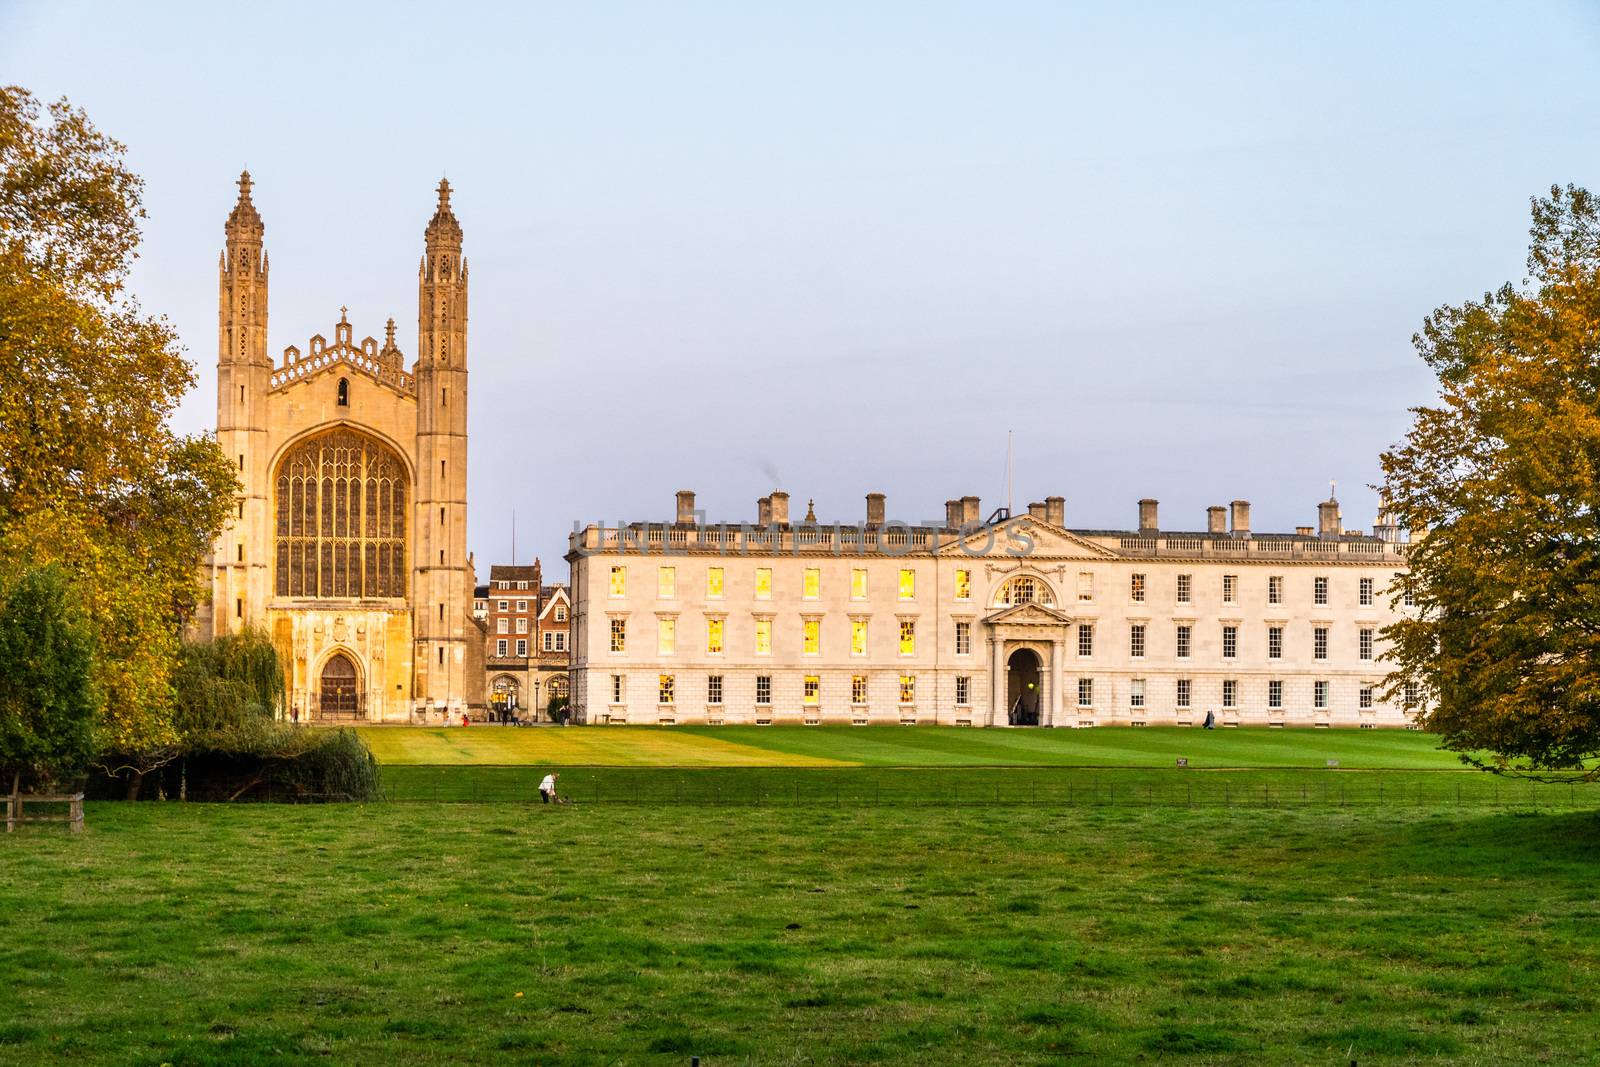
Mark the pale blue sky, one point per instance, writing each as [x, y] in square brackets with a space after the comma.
[1179, 249]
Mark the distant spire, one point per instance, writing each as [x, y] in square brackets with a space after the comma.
[343, 313]
[388, 334]
[244, 222]
[443, 229]
[811, 511]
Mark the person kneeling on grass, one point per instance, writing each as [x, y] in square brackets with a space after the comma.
[547, 788]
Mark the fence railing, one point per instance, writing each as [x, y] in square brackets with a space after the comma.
[16, 806]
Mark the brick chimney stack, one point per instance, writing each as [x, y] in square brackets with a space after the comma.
[685, 507]
[1147, 515]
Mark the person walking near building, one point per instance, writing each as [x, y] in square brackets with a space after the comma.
[547, 788]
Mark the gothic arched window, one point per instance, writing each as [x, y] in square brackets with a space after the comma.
[341, 518]
[344, 392]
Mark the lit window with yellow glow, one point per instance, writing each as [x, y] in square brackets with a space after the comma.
[811, 583]
[619, 581]
[908, 637]
[908, 689]
[858, 689]
[858, 583]
[667, 689]
[666, 582]
[908, 584]
[963, 585]
[763, 583]
[811, 633]
[763, 637]
[714, 583]
[858, 637]
[714, 636]
[666, 636]
[619, 635]
[813, 689]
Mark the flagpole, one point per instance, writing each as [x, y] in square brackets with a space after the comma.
[1009, 471]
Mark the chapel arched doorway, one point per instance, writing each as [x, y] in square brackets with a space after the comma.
[1023, 690]
[337, 697]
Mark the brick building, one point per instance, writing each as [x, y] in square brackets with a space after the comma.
[511, 614]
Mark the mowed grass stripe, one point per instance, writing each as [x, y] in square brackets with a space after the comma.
[573, 747]
[893, 746]
[1015, 787]
[897, 746]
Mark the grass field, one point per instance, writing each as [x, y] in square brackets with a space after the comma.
[897, 746]
[404, 933]
[1011, 787]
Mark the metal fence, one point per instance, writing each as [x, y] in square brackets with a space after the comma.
[1056, 787]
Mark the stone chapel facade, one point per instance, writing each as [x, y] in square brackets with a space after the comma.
[349, 547]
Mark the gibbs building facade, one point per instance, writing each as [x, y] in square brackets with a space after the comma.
[349, 545]
[1004, 620]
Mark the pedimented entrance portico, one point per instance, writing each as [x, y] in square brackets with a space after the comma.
[1042, 631]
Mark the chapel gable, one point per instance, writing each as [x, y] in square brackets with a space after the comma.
[385, 365]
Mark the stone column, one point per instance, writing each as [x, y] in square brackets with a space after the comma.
[998, 713]
[1057, 681]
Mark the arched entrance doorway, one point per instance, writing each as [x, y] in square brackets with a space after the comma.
[336, 695]
[506, 700]
[1022, 687]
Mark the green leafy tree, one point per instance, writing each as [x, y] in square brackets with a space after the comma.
[230, 694]
[1500, 481]
[91, 475]
[48, 694]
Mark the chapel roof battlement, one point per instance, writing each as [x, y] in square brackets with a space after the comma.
[385, 365]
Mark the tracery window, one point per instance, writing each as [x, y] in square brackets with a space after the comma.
[341, 519]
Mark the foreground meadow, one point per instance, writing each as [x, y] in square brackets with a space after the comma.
[463, 933]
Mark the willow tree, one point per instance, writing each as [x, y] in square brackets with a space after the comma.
[91, 475]
[1500, 482]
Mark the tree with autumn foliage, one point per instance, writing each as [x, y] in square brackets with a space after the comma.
[1500, 482]
[92, 477]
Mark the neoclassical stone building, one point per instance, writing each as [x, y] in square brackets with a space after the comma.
[983, 621]
[349, 547]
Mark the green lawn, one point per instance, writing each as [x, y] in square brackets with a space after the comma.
[899, 746]
[1027, 787]
[403, 933]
